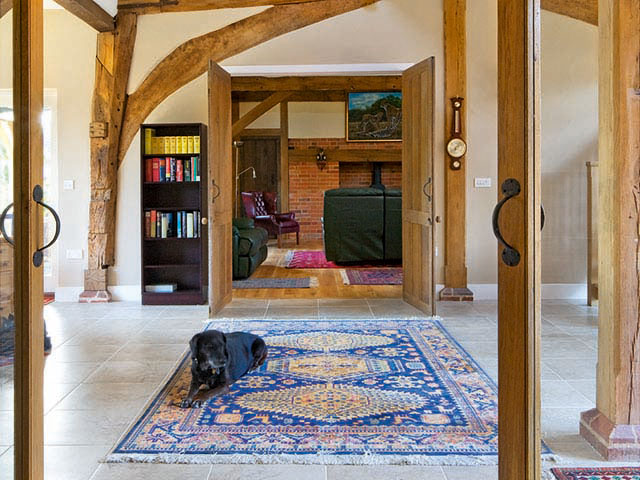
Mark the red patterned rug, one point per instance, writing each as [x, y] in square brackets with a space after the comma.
[597, 473]
[317, 259]
[49, 298]
[372, 276]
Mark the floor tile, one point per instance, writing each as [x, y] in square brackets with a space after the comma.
[268, 472]
[471, 473]
[345, 312]
[148, 371]
[150, 352]
[111, 398]
[299, 313]
[84, 427]
[149, 471]
[384, 472]
[72, 462]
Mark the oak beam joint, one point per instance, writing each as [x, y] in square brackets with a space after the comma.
[89, 12]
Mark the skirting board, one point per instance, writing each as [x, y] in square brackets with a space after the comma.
[481, 291]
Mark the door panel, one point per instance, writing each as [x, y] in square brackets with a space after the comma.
[263, 154]
[417, 181]
[220, 189]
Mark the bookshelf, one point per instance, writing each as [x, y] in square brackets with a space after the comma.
[173, 199]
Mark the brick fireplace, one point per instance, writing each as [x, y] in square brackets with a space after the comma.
[308, 181]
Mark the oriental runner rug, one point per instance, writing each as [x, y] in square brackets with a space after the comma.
[610, 473]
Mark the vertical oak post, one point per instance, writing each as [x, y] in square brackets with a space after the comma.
[284, 157]
[455, 233]
[27, 230]
[613, 427]
[519, 285]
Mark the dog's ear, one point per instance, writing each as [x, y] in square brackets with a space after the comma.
[193, 345]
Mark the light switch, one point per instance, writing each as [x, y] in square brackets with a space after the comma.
[482, 182]
[68, 185]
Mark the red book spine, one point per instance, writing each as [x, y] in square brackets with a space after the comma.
[153, 224]
[156, 170]
[179, 171]
[148, 170]
[168, 164]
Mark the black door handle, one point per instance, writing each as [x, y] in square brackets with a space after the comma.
[543, 217]
[38, 195]
[3, 231]
[510, 189]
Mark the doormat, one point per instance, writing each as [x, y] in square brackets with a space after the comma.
[597, 473]
[372, 276]
[381, 392]
[317, 259]
[306, 282]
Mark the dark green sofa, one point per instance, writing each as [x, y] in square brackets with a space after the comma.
[363, 225]
[249, 247]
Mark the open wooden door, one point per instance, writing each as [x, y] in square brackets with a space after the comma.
[220, 189]
[417, 185]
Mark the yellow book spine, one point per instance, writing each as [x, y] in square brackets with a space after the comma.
[185, 145]
[189, 144]
[154, 146]
[173, 146]
[196, 144]
[167, 145]
[148, 139]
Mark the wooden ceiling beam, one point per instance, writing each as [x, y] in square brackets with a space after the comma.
[257, 111]
[190, 60]
[309, 96]
[143, 7]
[319, 83]
[584, 10]
[5, 6]
[89, 12]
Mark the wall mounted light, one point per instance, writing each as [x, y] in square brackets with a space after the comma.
[321, 159]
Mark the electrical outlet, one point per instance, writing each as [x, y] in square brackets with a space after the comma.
[75, 254]
[68, 185]
[482, 182]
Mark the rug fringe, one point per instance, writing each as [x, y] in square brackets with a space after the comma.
[345, 277]
[288, 258]
[306, 459]
[314, 282]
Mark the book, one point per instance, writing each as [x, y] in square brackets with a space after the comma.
[196, 144]
[167, 162]
[162, 170]
[147, 224]
[196, 224]
[164, 225]
[189, 225]
[161, 288]
[153, 220]
[179, 171]
[179, 225]
[190, 144]
[148, 170]
[149, 133]
[196, 169]
[173, 169]
[170, 230]
[187, 172]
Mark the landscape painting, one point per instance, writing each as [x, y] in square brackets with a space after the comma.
[374, 116]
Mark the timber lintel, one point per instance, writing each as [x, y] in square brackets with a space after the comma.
[257, 111]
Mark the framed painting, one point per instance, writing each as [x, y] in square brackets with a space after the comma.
[374, 116]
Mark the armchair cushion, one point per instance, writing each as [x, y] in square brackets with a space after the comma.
[243, 223]
[250, 240]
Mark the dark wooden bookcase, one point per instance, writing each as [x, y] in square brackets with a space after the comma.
[182, 261]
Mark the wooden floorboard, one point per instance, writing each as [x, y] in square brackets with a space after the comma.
[330, 283]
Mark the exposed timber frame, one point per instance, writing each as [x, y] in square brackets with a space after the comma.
[143, 7]
[86, 10]
[190, 59]
[113, 64]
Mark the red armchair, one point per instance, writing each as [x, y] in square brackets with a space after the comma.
[261, 207]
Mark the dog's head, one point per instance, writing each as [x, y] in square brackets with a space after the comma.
[209, 351]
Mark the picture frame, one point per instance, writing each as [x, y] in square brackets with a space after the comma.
[374, 116]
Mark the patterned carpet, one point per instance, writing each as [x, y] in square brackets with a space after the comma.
[597, 473]
[316, 259]
[372, 276]
[331, 393]
[306, 282]
[7, 346]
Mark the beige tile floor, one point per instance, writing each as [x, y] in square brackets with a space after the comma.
[109, 359]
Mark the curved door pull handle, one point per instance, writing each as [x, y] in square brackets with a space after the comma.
[510, 189]
[38, 256]
[213, 185]
[3, 217]
[424, 189]
[543, 217]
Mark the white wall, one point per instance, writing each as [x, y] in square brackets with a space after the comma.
[393, 31]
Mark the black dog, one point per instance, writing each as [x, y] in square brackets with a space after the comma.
[219, 360]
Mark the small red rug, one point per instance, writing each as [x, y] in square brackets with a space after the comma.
[597, 473]
[372, 276]
[49, 298]
[317, 259]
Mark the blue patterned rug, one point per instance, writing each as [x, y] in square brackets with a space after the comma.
[305, 282]
[331, 393]
[597, 473]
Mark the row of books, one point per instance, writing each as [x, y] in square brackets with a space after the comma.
[170, 169]
[171, 224]
[174, 144]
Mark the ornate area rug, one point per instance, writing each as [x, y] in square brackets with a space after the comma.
[383, 392]
[317, 259]
[306, 282]
[372, 276]
[7, 346]
[597, 473]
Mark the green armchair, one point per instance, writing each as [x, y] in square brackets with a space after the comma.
[249, 247]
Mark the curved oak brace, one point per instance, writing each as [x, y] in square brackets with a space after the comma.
[584, 10]
[191, 58]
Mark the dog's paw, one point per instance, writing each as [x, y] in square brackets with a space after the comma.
[186, 403]
[196, 404]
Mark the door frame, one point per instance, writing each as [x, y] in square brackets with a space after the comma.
[27, 230]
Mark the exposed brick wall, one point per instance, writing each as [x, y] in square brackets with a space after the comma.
[307, 183]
